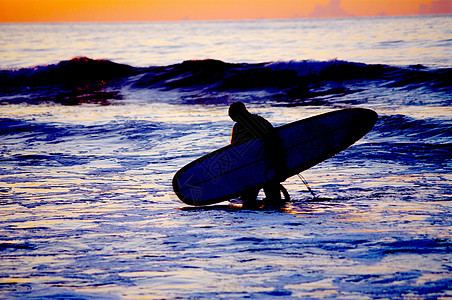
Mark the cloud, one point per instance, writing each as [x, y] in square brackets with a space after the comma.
[332, 10]
[436, 7]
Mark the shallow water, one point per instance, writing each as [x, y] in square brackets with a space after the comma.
[88, 211]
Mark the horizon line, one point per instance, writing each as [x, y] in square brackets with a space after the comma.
[226, 20]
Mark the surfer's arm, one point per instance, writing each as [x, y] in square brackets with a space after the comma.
[234, 135]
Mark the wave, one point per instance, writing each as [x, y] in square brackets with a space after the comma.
[392, 127]
[84, 80]
[76, 69]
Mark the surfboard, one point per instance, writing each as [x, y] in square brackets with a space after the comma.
[225, 173]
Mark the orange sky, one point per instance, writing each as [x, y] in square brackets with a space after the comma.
[166, 10]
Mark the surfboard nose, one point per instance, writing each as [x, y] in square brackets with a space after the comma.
[372, 115]
[367, 119]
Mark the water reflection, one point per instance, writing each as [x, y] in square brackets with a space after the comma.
[93, 213]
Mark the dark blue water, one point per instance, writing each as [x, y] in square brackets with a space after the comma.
[89, 148]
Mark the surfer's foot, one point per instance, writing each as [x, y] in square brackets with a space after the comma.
[275, 203]
[250, 204]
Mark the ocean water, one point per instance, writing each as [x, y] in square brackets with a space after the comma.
[95, 119]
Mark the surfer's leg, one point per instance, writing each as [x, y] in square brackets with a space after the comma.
[272, 194]
[285, 194]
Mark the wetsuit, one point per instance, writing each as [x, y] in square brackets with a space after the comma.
[248, 127]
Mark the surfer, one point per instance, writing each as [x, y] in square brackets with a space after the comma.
[249, 126]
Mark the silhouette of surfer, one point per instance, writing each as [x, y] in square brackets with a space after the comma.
[249, 126]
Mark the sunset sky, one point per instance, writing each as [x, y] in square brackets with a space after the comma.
[171, 10]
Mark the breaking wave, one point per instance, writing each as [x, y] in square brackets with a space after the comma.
[84, 80]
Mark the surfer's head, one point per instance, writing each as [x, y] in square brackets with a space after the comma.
[236, 109]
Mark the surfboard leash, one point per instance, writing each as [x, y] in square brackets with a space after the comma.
[306, 184]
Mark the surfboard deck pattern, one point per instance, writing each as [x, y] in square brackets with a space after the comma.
[225, 173]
